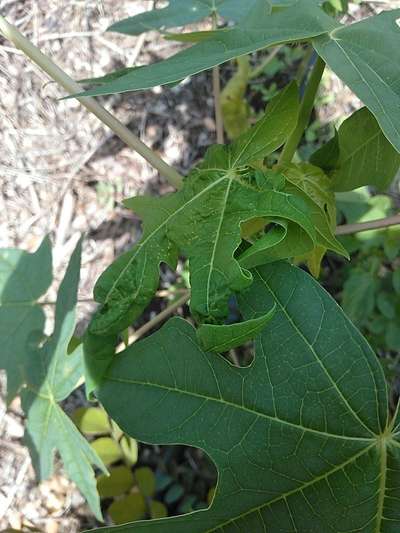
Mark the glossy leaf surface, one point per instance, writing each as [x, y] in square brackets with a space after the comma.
[300, 438]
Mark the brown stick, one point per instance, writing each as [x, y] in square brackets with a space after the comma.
[348, 229]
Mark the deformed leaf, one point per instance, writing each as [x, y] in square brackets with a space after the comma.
[203, 222]
[300, 20]
[366, 157]
[315, 188]
[24, 278]
[366, 56]
[223, 338]
[301, 438]
[51, 375]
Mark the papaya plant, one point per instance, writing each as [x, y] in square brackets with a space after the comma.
[303, 438]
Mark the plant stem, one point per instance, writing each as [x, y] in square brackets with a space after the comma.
[306, 108]
[219, 122]
[71, 86]
[159, 318]
[257, 71]
[348, 229]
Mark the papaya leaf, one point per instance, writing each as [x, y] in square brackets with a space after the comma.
[223, 338]
[202, 221]
[182, 12]
[283, 240]
[51, 375]
[366, 157]
[300, 20]
[315, 187]
[301, 438]
[24, 278]
[366, 56]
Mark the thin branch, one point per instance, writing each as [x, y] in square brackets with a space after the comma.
[257, 71]
[72, 87]
[219, 121]
[159, 318]
[348, 229]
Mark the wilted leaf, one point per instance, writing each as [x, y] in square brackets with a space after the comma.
[301, 438]
[24, 278]
[234, 106]
[117, 483]
[366, 56]
[223, 338]
[51, 375]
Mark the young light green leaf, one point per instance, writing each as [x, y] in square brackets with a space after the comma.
[117, 483]
[146, 481]
[366, 56]
[131, 507]
[366, 157]
[91, 420]
[51, 375]
[107, 449]
[203, 222]
[24, 278]
[223, 338]
[300, 438]
[301, 20]
[182, 12]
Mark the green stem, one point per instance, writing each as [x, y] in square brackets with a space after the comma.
[45, 63]
[305, 113]
[257, 71]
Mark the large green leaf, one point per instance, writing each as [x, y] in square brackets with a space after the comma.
[301, 438]
[51, 375]
[302, 20]
[182, 12]
[366, 55]
[24, 278]
[364, 155]
[203, 221]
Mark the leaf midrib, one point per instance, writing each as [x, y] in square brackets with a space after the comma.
[317, 358]
[227, 403]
